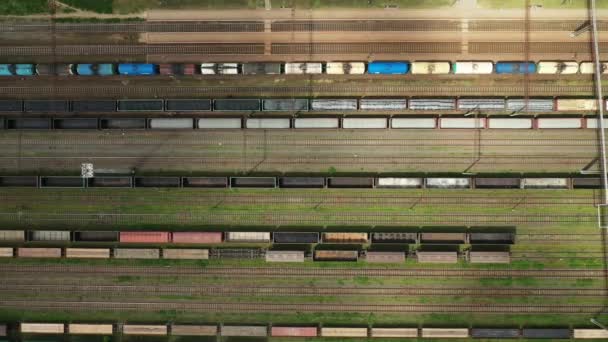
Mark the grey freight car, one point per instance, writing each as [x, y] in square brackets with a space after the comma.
[171, 123]
[316, 123]
[140, 105]
[11, 106]
[157, 182]
[350, 182]
[383, 104]
[296, 237]
[28, 123]
[46, 106]
[261, 68]
[534, 105]
[437, 257]
[327, 255]
[546, 333]
[302, 182]
[481, 104]
[268, 123]
[492, 238]
[494, 333]
[285, 256]
[183, 105]
[120, 123]
[443, 238]
[253, 182]
[236, 105]
[432, 104]
[497, 183]
[88, 106]
[586, 183]
[61, 182]
[204, 182]
[285, 104]
[394, 237]
[96, 236]
[489, 257]
[333, 104]
[21, 181]
[220, 123]
[50, 235]
[75, 123]
[385, 257]
[110, 182]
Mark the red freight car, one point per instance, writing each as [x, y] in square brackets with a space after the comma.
[197, 237]
[144, 237]
[294, 331]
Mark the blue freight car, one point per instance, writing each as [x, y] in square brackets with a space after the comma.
[137, 69]
[388, 68]
[25, 69]
[515, 68]
[7, 70]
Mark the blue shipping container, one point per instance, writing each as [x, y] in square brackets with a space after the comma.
[106, 69]
[135, 69]
[515, 68]
[388, 68]
[24, 69]
[85, 69]
[6, 70]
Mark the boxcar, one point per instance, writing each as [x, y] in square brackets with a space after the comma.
[295, 237]
[244, 330]
[494, 333]
[497, 183]
[285, 256]
[93, 236]
[545, 183]
[197, 237]
[136, 253]
[20, 181]
[204, 182]
[546, 333]
[394, 332]
[26, 252]
[515, 68]
[186, 253]
[184, 105]
[385, 257]
[157, 182]
[110, 182]
[350, 182]
[193, 330]
[50, 235]
[586, 183]
[42, 328]
[12, 235]
[345, 237]
[90, 329]
[138, 329]
[492, 238]
[388, 68]
[489, 257]
[443, 238]
[448, 183]
[88, 253]
[343, 332]
[394, 237]
[444, 333]
[6, 252]
[302, 182]
[293, 331]
[144, 237]
[399, 183]
[327, 255]
[591, 333]
[261, 68]
[248, 236]
[437, 257]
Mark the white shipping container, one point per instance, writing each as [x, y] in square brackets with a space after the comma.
[219, 123]
[462, 123]
[430, 67]
[589, 68]
[248, 236]
[590, 333]
[176, 123]
[394, 332]
[481, 104]
[576, 104]
[338, 68]
[276, 123]
[333, 104]
[399, 182]
[564, 68]
[303, 68]
[550, 123]
[285, 256]
[316, 123]
[473, 67]
[448, 183]
[383, 104]
[447, 333]
[413, 122]
[6, 252]
[42, 328]
[364, 123]
[90, 329]
[344, 332]
[549, 183]
[510, 123]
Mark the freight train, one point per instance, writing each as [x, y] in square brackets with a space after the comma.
[299, 68]
[470, 105]
[307, 331]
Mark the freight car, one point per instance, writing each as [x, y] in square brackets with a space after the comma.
[137, 69]
[515, 68]
[388, 68]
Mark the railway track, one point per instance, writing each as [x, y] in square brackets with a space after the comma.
[151, 91]
[300, 26]
[8, 270]
[537, 47]
[362, 48]
[291, 308]
[223, 291]
[126, 50]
